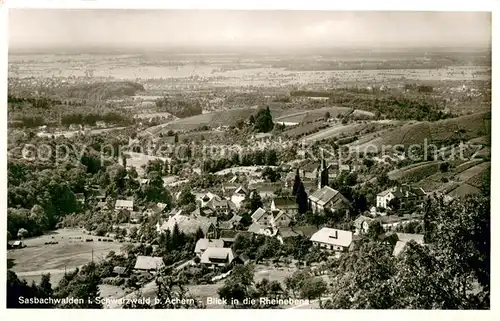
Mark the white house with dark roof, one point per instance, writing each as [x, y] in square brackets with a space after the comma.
[334, 240]
[124, 205]
[217, 256]
[326, 198]
[262, 217]
[404, 193]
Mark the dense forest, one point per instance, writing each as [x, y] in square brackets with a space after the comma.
[181, 108]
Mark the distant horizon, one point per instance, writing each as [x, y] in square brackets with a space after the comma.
[237, 50]
[152, 30]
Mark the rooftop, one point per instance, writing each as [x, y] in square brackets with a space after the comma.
[203, 244]
[148, 263]
[217, 253]
[333, 237]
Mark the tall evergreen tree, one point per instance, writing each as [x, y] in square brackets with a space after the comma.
[296, 183]
[301, 199]
[264, 121]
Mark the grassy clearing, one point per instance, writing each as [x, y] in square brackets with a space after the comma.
[37, 258]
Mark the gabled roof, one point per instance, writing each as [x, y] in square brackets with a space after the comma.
[241, 190]
[359, 221]
[306, 230]
[217, 253]
[333, 237]
[235, 219]
[148, 263]
[255, 228]
[119, 270]
[257, 215]
[203, 244]
[280, 214]
[324, 195]
[124, 203]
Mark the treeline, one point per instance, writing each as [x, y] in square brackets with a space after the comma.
[179, 107]
[253, 158]
[101, 90]
[36, 102]
[56, 115]
[451, 271]
[91, 118]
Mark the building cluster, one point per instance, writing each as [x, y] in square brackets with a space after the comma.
[217, 219]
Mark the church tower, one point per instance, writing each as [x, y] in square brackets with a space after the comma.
[323, 178]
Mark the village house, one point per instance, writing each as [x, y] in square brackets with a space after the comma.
[362, 224]
[203, 244]
[286, 204]
[239, 196]
[390, 222]
[148, 263]
[327, 198]
[403, 193]
[155, 209]
[332, 240]
[262, 217]
[282, 219]
[259, 229]
[217, 257]
[231, 224]
[124, 205]
[221, 206]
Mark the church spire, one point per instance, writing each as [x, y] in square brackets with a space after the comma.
[323, 171]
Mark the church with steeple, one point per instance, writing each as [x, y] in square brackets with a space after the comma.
[323, 178]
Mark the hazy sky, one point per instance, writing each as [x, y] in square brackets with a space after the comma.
[49, 27]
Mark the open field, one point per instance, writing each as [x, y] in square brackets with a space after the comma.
[415, 173]
[37, 258]
[315, 114]
[305, 129]
[464, 127]
[343, 130]
[473, 171]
